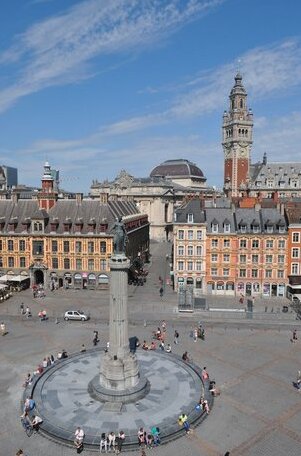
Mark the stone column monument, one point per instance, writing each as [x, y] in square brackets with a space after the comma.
[119, 379]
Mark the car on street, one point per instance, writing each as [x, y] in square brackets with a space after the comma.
[76, 315]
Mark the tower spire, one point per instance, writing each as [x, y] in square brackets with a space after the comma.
[237, 138]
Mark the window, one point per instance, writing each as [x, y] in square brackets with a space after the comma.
[10, 245]
[243, 243]
[22, 245]
[190, 218]
[243, 228]
[199, 235]
[90, 248]
[255, 228]
[66, 263]
[22, 262]
[1, 262]
[226, 257]
[226, 243]
[199, 250]
[189, 265]
[214, 228]
[54, 246]
[90, 264]
[103, 247]
[0, 245]
[295, 252]
[214, 257]
[254, 258]
[269, 258]
[66, 248]
[296, 237]
[281, 244]
[181, 250]
[181, 234]
[242, 273]
[55, 263]
[227, 227]
[190, 250]
[268, 273]
[255, 244]
[214, 271]
[11, 262]
[295, 269]
[190, 235]
[37, 226]
[242, 258]
[78, 264]
[281, 229]
[281, 258]
[38, 247]
[214, 243]
[269, 228]
[103, 265]
[254, 273]
[78, 247]
[180, 265]
[280, 274]
[269, 244]
[198, 265]
[226, 272]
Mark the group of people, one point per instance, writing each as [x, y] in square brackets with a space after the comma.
[112, 442]
[148, 439]
[108, 441]
[46, 362]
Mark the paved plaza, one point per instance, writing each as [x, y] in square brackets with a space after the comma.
[253, 362]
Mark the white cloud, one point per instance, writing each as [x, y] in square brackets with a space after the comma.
[52, 51]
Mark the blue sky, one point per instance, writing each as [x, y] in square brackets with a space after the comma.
[97, 86]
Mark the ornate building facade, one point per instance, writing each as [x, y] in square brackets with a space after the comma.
[159, 195]
[65, 242]
[243, 251]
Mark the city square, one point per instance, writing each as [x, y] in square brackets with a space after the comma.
[254, 364]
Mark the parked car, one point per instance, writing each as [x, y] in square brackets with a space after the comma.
[76, 315]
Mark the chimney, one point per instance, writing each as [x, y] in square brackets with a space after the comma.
[15, 197]
[103, 198]
[79, 198]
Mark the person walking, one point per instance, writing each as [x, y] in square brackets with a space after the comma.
[176, 337]
[3, 329]
[294, 337]
[161, 292]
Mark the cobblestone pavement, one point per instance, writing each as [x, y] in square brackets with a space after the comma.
[258, 412]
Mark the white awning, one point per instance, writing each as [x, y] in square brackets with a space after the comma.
[4, 278]
[18, 278]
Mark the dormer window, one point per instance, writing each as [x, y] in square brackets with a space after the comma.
[227, 226]
[269, 228]
[214, 228]
[91, 225]
[190, 218]
[255, 228]
[79, 225]
[37, 227]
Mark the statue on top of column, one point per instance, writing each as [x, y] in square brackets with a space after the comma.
[120, 236]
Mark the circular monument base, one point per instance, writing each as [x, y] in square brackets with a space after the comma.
[126, 396]
[64, 402]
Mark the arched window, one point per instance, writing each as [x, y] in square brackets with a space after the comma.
[232, 104]
[241, 103]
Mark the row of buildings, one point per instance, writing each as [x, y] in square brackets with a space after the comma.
[65, 242]
[250, 248]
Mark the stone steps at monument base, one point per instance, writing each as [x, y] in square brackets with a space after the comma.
[130, 443]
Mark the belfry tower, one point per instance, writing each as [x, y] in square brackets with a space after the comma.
[237, 140]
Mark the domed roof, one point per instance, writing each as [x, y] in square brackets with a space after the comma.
[238, 88]
[177, 168]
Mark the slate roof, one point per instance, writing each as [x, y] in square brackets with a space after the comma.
[191, 207]
[280, 172]
[88, 213]
[219, 217]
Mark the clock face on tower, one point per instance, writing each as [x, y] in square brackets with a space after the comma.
[243, 152]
